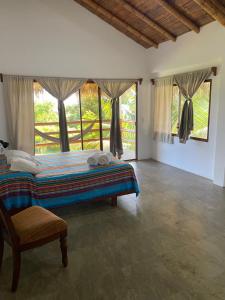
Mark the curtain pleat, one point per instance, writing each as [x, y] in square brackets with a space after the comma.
[116, 146]
[188, 84]
[114, 89]
[163, 97]
[61, 88]
[19, 104]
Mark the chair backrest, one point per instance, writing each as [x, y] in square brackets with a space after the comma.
[7, 222]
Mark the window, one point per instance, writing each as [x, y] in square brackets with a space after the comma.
[88, 114]
[90, 118]
[46, 120]
[201, 106]
[72, 108]
[128, 121]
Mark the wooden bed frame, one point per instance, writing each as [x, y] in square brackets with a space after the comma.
[113, 204]
[112, 198]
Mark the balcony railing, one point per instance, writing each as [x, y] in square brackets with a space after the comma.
[124, 130]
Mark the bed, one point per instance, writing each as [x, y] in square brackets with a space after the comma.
[66, 179]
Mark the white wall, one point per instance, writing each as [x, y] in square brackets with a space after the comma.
[193, 51]
[61, 38]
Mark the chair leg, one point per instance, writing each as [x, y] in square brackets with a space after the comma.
[16, 269]
[63, 246]
[1, 247]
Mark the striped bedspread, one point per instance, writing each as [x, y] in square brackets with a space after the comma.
[66, 179]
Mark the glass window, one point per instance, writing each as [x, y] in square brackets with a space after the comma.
[88, 115]
[46, 121]
[201, 106]
[128, 122]
[106, 114]
[72, 108]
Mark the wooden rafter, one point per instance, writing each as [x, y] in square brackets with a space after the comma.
[147, 20]
[182, 18]
[214, 8]
[219, 5]
[115, 20]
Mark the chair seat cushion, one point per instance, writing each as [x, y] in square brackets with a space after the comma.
[36, 223]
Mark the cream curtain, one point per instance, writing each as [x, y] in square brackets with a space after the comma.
[114, 89]
[163, 97]
[18, 94]
[188, 84]
[61, 88]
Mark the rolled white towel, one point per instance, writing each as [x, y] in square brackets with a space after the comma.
[93, 159]
[105, 159]
[23, 165]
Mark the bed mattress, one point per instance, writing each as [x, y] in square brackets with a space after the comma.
[65, 179]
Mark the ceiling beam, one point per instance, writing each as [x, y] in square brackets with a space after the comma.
[146, 20]
[219, 5]
[181, 17]
[93, 6]
[214, 9]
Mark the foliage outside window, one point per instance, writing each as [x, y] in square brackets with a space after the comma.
[88, 114]
[201, 106]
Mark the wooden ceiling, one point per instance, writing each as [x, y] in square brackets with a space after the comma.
[151, 22]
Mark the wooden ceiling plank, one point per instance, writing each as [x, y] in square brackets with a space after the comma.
[147, 20]
[110, 17]
[181, 17]
[219, 5]
[214, 9]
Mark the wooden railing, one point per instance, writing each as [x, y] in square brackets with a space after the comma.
[78, 131]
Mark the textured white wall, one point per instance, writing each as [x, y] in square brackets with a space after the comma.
[194, 51]
[61, 38]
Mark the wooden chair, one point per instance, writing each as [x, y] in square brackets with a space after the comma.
[30, 228]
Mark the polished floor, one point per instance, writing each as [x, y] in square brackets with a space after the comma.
[167, 244]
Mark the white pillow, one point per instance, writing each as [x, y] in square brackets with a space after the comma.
[11, 154]
[24, 165]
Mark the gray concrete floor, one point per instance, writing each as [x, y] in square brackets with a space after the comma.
[167, 244]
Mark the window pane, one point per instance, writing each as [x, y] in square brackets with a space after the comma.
[201, 101]
[128, 122]
[46, 120]
[90, 116]
[72, 108]
[106, 120]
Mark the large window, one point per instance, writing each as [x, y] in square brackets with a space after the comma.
[46, 120]
[201, 106]
[88, 114]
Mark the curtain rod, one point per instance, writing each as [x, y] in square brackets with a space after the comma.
[139, 80]
[214, 71]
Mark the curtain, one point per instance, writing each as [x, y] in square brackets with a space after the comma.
[114, 89]
[19, 104]
[188, 84]
[163, 97]
[61, 88]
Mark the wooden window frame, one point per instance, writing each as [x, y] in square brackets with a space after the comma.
[209, 111]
